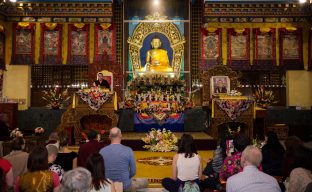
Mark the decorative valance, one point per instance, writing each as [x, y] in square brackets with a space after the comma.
[238, 48]
[211, 47]
[78, 44]
[51, 44]
[104, 42]
[23, 43]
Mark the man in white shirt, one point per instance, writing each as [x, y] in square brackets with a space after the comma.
[251, 179]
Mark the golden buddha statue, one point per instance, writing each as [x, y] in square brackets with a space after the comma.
[157, 59]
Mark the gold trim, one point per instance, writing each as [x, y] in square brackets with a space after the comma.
[240, 31]
[291, 29]
[79, 25]
[265, 30]
[23, 24]
[50, 26]
[105, 25]
[211, 29]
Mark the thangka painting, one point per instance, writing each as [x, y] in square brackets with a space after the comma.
[51, 44]
[23, 44]
[264, 48]
[79, 44]
[211, 47]
[104, 43]
[238, 48]
[291, 48]
[310, 50]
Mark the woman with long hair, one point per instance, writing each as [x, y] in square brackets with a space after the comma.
[186, 166]
[272, 154]
[38, 177]
[95, 164]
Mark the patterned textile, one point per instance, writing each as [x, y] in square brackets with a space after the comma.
[95, 97]
[231, 166]
[36, 181]
[58, 170]
[233, 108]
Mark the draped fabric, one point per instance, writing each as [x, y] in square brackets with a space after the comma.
[78, 44]
[234, 108]
[264, 48]
[291, 57]
[211, 47]
[2, 49]
[104, 43]
[23, 43]
[51, 46]
[238, 48]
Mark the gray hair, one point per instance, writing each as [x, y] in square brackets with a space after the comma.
[76, 180]
[52, 149]
[253, 155]
[114, 132]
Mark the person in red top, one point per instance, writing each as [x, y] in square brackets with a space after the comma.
[86, 149]
[6, 166]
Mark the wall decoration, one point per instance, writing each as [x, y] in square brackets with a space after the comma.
[104, 42]
[78, 44]
[238, 48]
[211, 47]
[264, 48]
[51, 46]
[23, 43]
[291, 48]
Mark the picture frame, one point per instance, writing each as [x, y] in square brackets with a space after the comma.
[219, 85]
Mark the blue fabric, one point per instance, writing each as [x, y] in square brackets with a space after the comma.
[145, 125]
[119, 163]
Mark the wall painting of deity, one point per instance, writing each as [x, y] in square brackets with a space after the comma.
[104, 43]
[238, 48]
[211, 47]
[23, 43]
[78, 46]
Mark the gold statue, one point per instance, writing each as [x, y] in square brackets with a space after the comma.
[157, 59]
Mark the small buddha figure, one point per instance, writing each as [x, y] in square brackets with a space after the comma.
[157, 59]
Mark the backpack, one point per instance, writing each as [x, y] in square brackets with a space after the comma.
[190, 186]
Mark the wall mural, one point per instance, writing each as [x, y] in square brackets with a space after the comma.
[211, 46]
[78, 47]
[104, 43]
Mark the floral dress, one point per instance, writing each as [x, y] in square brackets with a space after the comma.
[231, 166]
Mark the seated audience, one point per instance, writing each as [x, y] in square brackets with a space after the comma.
[272, 153]
[86, 149]
[309, 188]
[212, 171]
[251, 179]
[186, 166]
[301, 175]
[6, 167]
[231, 164]
[76, 180]
[18, 158]
[38, 177]
[52, 154]
[292, 143]
[2, 181]
[54, 139]
[66, 158]
[95, 164]
[120, 163]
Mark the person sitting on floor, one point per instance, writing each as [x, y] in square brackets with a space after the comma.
[52, 154]
[186, 166]
[95, 164]
[66, 157]
[76, 180]
[251, 179]
[120, 163]
[6, 167]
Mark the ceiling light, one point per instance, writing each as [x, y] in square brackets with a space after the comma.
[302, 1]
[156, 2]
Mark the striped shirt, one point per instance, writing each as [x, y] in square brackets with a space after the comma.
[251, 179]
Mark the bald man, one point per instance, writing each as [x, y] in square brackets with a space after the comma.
[120, 163]
[251, 179]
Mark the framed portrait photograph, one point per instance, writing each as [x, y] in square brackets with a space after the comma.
[219, 85]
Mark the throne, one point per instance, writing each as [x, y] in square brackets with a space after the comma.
[220, 120]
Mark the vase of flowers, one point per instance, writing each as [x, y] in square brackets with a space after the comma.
[56, 98]
[160, 140]
[264, 98]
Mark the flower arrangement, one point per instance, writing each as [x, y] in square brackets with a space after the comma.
[263, 97]
[56, 98]
[235, 93]
[16, 133]
[160, 140]
[39, 130]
